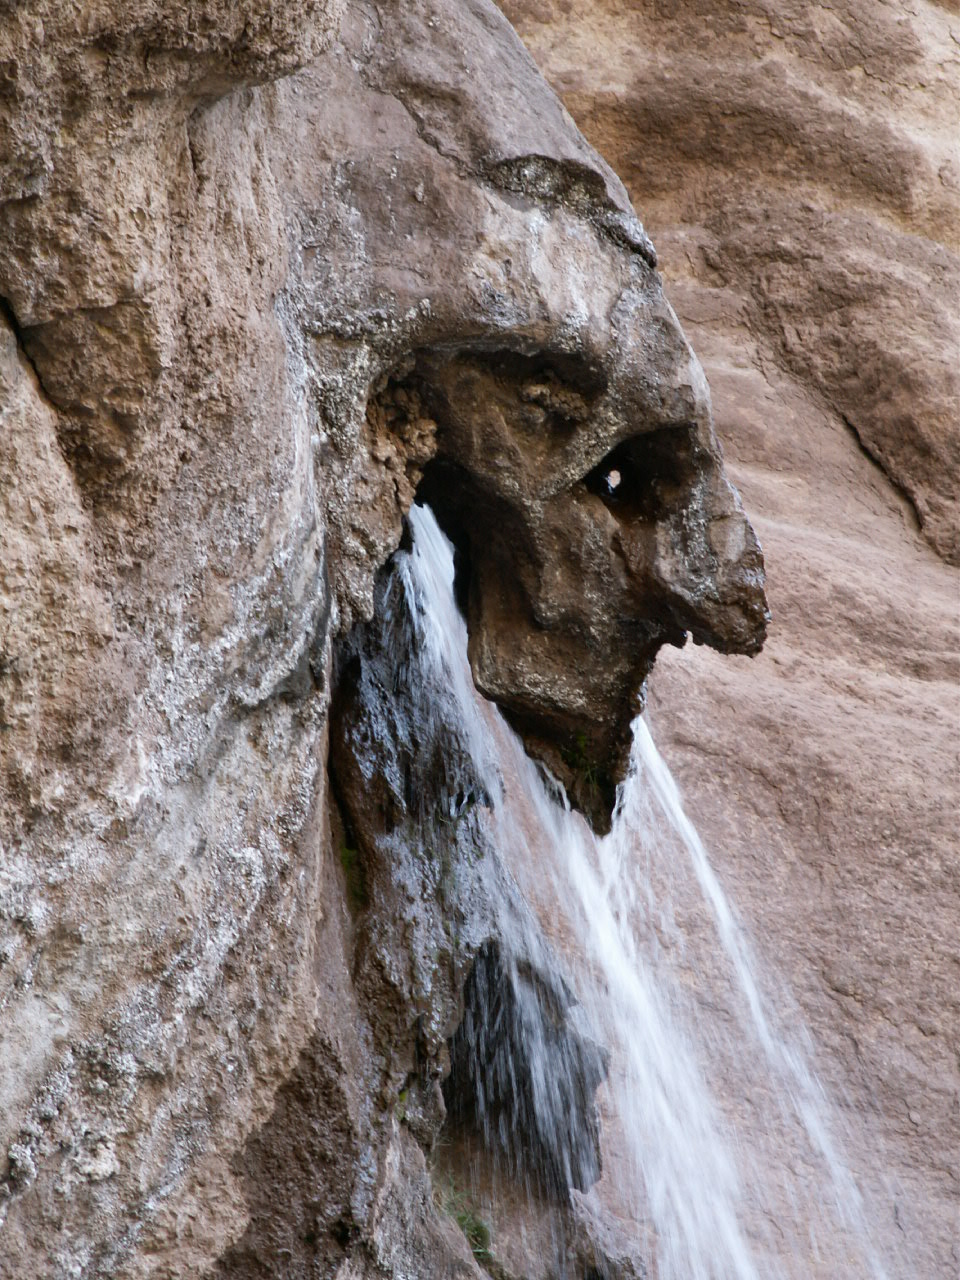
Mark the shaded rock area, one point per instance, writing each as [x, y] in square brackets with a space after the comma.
[266, 265]
[797, 167]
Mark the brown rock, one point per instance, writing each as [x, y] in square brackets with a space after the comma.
[796, 165]
[587, 544]
[249, 256]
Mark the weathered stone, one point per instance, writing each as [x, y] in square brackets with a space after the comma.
[455, 996]
[247, 253]
[264, 276]
[797, 166]
[594, 525]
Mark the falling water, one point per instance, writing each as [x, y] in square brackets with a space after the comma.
[717, 1146]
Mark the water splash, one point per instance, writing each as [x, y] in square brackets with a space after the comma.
[717, 1142]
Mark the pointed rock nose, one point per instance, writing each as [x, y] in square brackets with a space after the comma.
[710, 573]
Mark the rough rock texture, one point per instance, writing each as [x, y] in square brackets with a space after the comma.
[580, 537]
[806, 158]
[256, 263]
[797, 167]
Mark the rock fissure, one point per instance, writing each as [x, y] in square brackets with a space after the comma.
[7, 313]
[900, 489]
[569, 184]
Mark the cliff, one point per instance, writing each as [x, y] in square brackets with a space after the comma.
[266, 271]
[797, 167]
[269, 272]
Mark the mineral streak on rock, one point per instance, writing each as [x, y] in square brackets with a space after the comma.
[267, 269]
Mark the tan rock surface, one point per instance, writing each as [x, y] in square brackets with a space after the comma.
[797, 169]
[230, 232]
[809, 153]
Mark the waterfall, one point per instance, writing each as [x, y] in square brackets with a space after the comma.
[718, 1155]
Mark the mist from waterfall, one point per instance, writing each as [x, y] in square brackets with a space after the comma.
[717, 1140]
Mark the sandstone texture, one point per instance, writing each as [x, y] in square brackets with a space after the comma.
[797, 168]
[266, 270]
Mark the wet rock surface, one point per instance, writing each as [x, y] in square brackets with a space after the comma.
[511, 1012]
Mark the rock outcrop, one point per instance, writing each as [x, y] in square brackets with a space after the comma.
[797, 167]
[804, 159]
[267, 269]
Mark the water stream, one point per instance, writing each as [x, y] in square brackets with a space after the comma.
[717, 1140]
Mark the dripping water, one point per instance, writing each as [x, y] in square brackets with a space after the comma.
[717, 1141]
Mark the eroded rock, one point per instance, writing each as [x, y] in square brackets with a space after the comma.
[456, 981]
[594, 526]
[254, 259]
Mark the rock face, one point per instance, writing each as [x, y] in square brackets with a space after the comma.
[466, 1000]
[803, 157]
[267, 269]
[797, 167]
[584, 541]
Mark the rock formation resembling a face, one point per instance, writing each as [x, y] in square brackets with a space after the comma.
[545, 399]
[593, 524]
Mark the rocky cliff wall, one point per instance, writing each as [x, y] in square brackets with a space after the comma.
[797, 168]
[267, 269]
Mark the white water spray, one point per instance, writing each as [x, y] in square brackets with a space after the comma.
[719, 1159]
